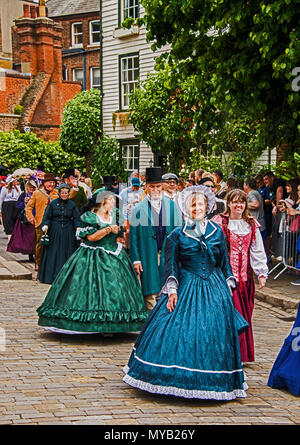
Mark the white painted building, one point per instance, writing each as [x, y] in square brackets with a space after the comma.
[126, 57]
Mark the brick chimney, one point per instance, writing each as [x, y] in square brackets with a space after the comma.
[40, 49]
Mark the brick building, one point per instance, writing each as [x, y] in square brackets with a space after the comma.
[38, 85]
[9, 11]
[80, 20]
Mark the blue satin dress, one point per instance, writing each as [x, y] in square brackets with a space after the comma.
[285, 372]
[194, 351]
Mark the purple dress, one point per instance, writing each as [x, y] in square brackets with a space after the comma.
[23, 236]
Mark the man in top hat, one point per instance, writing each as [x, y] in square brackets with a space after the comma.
[151, 221]
[77, 194]
[36, 207]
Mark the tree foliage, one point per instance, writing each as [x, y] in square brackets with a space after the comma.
[107, 161]
[242, 53]
[81, 125]
[27, 150]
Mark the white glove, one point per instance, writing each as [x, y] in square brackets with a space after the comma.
[44, 228]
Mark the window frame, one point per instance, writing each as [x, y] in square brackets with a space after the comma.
[76, 45]
[121, 57]
[127, 143]
[91, 77]
[122, 17]
[73, 77]
[91, 32]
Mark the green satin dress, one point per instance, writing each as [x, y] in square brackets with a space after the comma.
[97, 289]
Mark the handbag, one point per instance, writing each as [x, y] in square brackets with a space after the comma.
[45, 241]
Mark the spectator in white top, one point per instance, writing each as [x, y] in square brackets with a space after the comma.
[8, 199]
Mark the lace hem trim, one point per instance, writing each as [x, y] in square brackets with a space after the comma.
[186, 393]
[116, 252]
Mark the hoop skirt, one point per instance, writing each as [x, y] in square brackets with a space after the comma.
[97, 289]
[194, 351]
[286, 369]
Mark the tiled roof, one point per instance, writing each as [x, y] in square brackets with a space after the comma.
[58, 8]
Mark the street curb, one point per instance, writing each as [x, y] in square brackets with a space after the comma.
[11, 276]
[276, 299]
[12, 270]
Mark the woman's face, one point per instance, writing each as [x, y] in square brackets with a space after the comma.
[30, 188]
[109, 203]
[197, 207]
[237, 207]
[288, 188]
[64, 194]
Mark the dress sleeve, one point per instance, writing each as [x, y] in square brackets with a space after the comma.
[30, 206]
[2, 196]
[47, 217]
[88, 225]
[171, 271]
[223, 262]
[258, 257]
[76, 217]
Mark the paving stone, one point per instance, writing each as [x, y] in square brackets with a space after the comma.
[49, 379]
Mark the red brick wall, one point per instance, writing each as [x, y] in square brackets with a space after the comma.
[69, 89]
[8, 123]
[12, 89]
[92, 52]
[46, 132]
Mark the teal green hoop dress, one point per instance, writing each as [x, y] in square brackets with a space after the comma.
[97, 289]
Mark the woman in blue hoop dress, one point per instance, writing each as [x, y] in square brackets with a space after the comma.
[285, 373]
[189, 345]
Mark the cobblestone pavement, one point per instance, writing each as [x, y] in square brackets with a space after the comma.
[49, 378]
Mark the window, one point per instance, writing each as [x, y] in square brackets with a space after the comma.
[130, 155]
[95, 78]
[78, 74]
[129, 8]
[129, 73]
[94, 32]
[77, 34]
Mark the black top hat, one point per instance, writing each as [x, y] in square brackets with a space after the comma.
[154, 174]
[68, 172]
[109, 180]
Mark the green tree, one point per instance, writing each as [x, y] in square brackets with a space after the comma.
[107, 161]
[28, 150]
[243, 53]
[81, 125]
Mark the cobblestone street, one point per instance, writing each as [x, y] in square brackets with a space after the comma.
[49, 378]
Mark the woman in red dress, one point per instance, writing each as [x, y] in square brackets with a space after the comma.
[247, 255]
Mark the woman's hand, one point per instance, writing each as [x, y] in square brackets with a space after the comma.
[138, 268]
[262, 282]
[115, 229]
[292, 212]
[172, 301]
